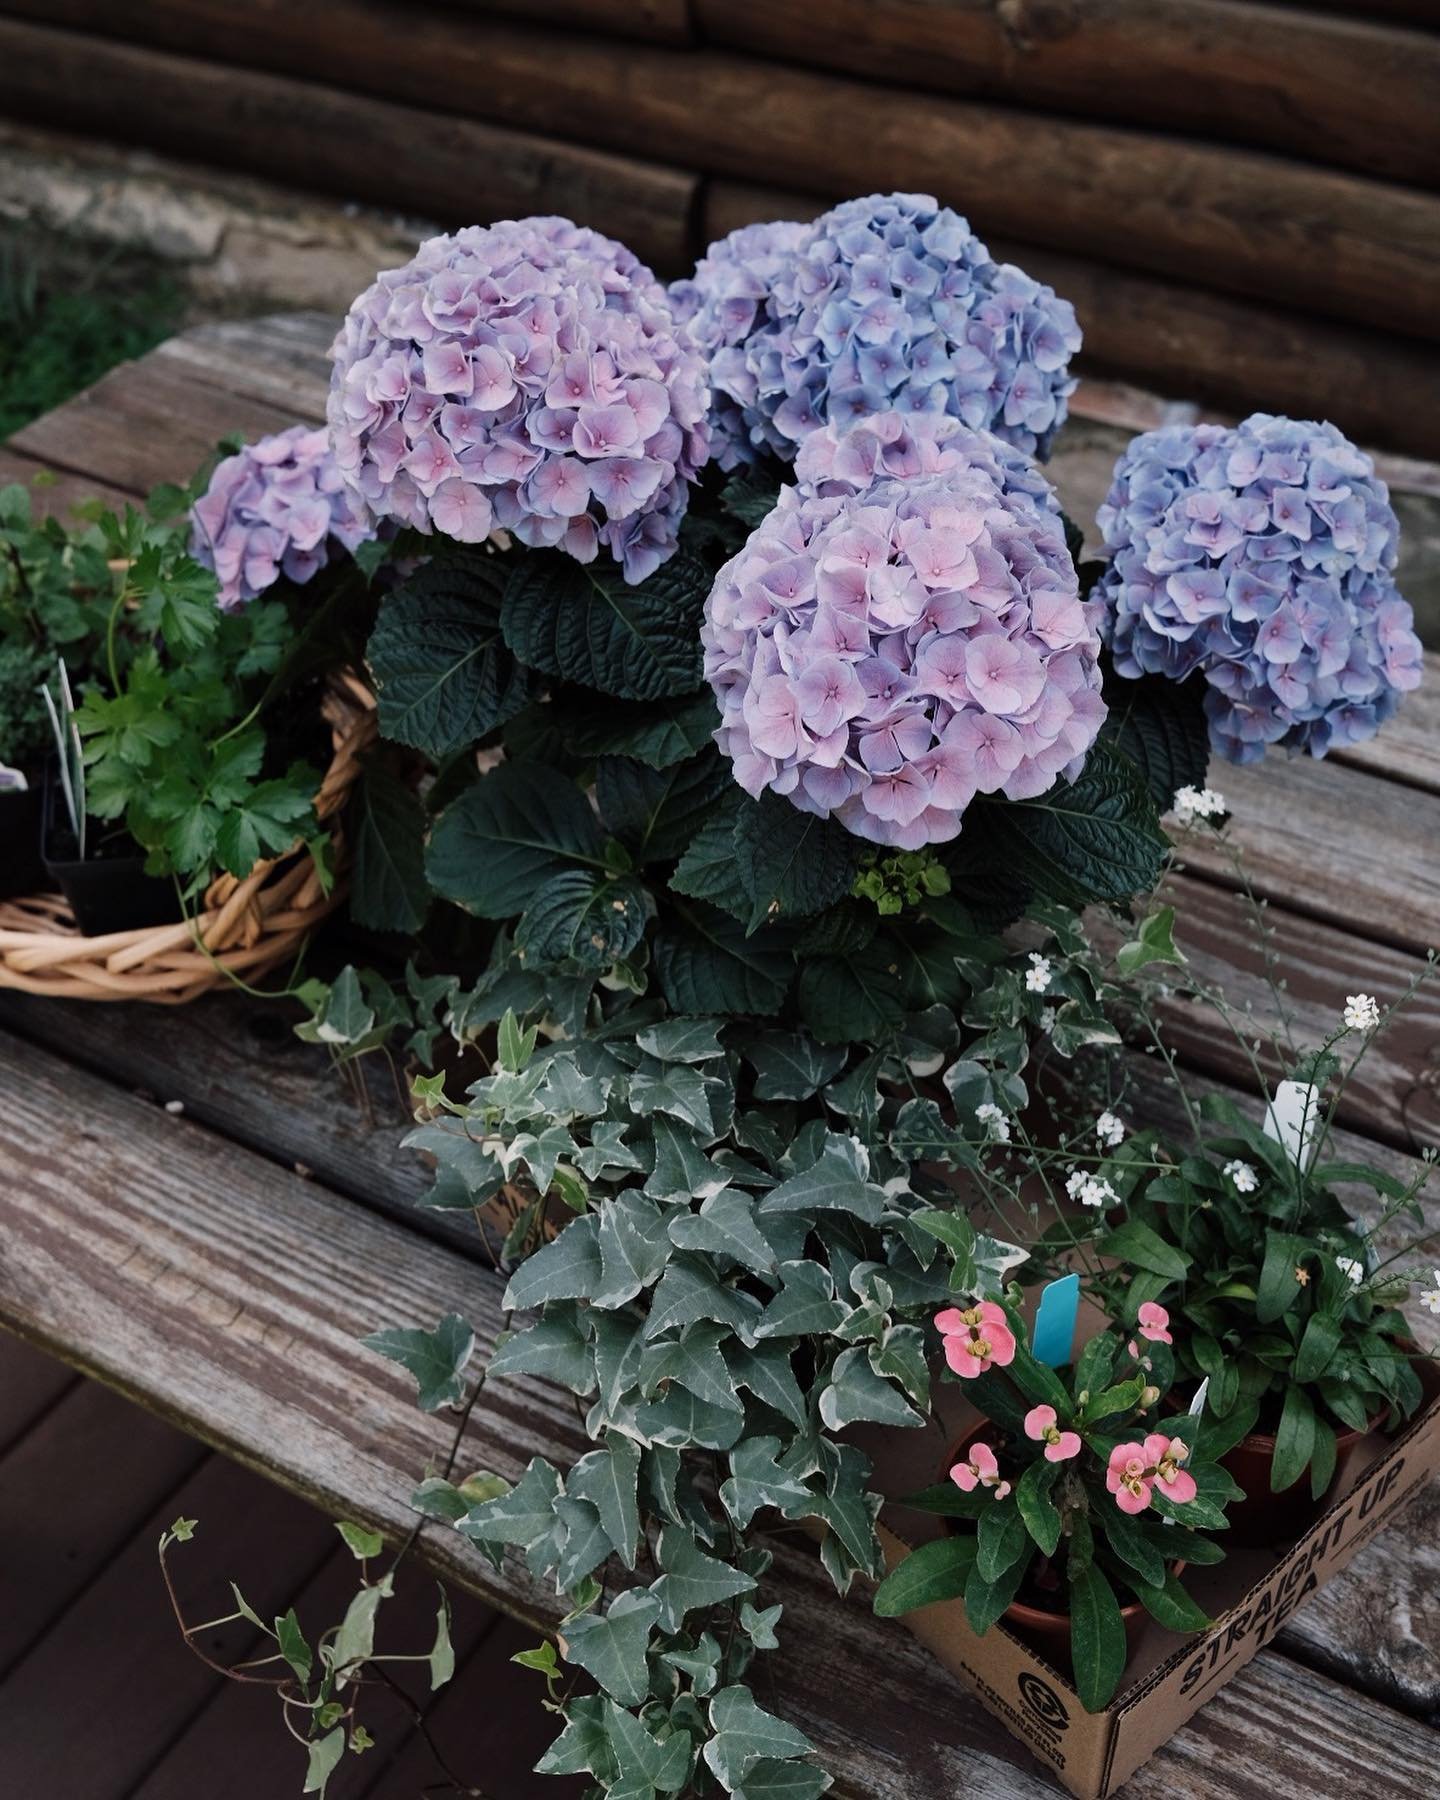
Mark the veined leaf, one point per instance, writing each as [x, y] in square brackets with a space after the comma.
[506, 835]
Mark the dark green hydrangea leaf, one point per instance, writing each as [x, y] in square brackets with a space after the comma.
[1161, 726]
[660, 733]
[388, 887]
[581, 917]
[505, 836]
[793, 864]
[706, 963]
[656, 812]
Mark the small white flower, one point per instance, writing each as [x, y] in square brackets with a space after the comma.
[1198, 803]
[995, 1122]
[1243, 1177]
[1037, 976]
[1110, 1130]
[1048, 1016]
[1097, 1192]
[1430, 1299]
[1361, 1012]
[1074, 1181]
[1347, 1265]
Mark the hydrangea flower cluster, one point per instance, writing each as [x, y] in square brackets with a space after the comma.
[889, 301]
[272, 509]
[883, 656]
[529, 375]
[734, 307]
[1262, 556]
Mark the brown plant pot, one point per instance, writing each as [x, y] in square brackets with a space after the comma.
[1264, 1517]
[1045, 1631]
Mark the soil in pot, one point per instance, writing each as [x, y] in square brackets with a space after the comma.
[109, 890]
[1038, 1615]
[21, 870]
[1264, 1518]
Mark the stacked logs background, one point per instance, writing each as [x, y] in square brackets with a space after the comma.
[1243, 200]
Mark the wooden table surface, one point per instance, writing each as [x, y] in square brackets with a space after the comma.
[218, 1263]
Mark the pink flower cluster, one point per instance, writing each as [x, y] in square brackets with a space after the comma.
[272, 509]
[1136, 1469]
[882, 654]
[1043, 1427]
[529, 375]
[979, 1469]
[976, 1337]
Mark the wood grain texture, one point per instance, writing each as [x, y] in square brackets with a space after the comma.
[1240, 221]
[1246, 74]
[664, 21]
[216, 1287]
[1408, 748]
[1333, 843]
[420, 157]
[1182, 339]
[53, 494]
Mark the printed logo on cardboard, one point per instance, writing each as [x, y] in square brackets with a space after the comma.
[1044, 1702]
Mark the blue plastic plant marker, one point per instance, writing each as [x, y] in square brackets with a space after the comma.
[1054, 1332]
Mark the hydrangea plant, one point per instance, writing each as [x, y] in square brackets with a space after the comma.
[529, 376]
[275, 507]
[887, 648]
[888, 301]
[1262, 559]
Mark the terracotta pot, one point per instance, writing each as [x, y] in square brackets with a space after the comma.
[1264, 1517]
[1045, 1631]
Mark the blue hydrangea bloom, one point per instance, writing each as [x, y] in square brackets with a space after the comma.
[903, 632]
[1263, 556]
[529, 376]
[887, 302]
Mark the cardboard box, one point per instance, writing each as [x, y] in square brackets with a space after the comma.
[1168, 1678]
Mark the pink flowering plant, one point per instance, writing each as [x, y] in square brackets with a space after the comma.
[1081, 1491]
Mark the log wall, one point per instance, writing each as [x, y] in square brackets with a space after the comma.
[1243, 200]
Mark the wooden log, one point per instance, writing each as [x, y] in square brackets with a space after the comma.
[1240, 221]
[662, 21]
[227, 1294]
[455, 170]
[1181, 339]
[1245, 74]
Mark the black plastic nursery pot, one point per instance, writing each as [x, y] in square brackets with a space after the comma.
[21, 868]
[109, 890]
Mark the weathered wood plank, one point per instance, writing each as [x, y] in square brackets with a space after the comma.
[282, 360]
[1408, 748]
[665, 21]
[455, 169]
[53, 494]
[1245, 74]
[1181, 339]
[1333, 843]
[54, 1538]
[220, 1289]
[1241, 221]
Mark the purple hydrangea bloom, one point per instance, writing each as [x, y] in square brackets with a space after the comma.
[735, 306]
[885, 302]
[882, 654]
[529, 375]
[273, 509]
[1262, 556]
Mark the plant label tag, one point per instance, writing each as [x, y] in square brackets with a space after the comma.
[1197, 1405]
[1291, 1118]
[1054, 1331]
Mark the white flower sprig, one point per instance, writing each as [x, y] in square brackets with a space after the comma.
[1361, 1012]
[1038, 976]
[1241, 1176]
[1192, 804]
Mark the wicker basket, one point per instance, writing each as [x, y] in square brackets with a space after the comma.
[246, 927]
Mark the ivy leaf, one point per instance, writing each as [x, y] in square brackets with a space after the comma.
[855, 1393]
[806, 1305]
[554, 1348]
[692, 1580]
[567, 1268]
[725, 1226]
[745, 1734]
[388, 889]
[324, 1758]
[770, 1779]
[435, 1358]
[793, 864]
[585, 623]
[651, 1764]
[833, 1182]
[791, 1066]
[292, 1645]
[634, 1248]
[608, 1479]
[693, 1362]
[705, 963]
[584, 1542]
[362, 1544]
[689, 1291]
[583, 919]
[519, 1516]
[936, 1571]
[1153, 943]
[583, 1747]
[656, 812]
[612, 1646]
[658, 734]
[441, 670]
[507, 834]
[442, 1651]
[1096, 838]
[757, 1479]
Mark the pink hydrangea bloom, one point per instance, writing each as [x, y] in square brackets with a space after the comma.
[529, 375]
[1041, 1425]
[904, 632]
[272, 509]
[980, 1469]
[1154, 1323]
[976, 1338]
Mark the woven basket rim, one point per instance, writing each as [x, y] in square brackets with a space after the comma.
[246, 926]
